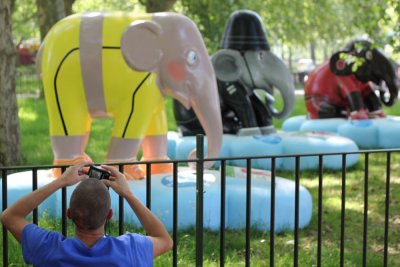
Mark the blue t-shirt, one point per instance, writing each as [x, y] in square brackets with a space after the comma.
[42, 247]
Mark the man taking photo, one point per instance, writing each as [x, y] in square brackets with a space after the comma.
[89, 210]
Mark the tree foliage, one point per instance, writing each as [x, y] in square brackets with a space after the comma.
[327, 24]
[24, 20]
[49, 12]
[108, 5]
[299, 23]
[211, 17]
[392, 22]
[157, 5]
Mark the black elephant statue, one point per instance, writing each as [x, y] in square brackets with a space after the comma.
[247, 74]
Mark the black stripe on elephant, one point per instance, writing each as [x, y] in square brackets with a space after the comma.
[133, 102]
[58, 100]
[55, 83]
[133, 95]
[56, 91]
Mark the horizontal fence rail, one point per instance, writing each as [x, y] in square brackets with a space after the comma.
[273, 247]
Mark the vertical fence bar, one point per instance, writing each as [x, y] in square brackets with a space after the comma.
[365, 224]
[248, 210]
[34, 187]
[320, 184]
[222, 216]
[63, 208]
[343, 210]
[272, 216]
[387, 202]
[148, 186]
[4, 204]
[199, 199]
[296, 213]
[121, 209]
[175, 215]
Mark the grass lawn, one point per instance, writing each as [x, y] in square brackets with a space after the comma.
[37, 151]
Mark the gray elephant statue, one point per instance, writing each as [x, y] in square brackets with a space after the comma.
[247, 74]
[120, 65]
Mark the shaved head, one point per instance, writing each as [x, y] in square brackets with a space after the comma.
[90, 204]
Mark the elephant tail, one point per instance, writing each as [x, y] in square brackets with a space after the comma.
[38, 62]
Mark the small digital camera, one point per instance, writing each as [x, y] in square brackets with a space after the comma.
[98, 173]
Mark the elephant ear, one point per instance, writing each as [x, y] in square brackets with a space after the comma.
[140, 45]
[339, 66]
[228, 65]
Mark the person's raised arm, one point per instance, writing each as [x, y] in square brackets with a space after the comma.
[154, 228]
[13, 218]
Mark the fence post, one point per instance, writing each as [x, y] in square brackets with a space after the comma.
[4, 229]
[199, 198]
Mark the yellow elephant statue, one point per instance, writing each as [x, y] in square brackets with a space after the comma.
[120, 65]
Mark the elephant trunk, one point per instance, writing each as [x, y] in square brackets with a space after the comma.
[207, 109]
[279, 76]
[287, 91]
[393, 87]
[387, 72]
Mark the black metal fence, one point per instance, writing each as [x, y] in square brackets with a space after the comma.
[383, 167]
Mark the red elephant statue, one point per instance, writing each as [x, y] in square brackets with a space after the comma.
[345, 86]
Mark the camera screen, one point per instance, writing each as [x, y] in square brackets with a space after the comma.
[98, 173]
[95, 174]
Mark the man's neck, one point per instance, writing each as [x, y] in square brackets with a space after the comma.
[90, 238]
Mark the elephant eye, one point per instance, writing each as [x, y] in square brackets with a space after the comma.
[191, 57]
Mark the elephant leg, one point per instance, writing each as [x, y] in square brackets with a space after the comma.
[140, 115]
[69, 118]
[69, 150]
[328, 110]
[373, 105]
[263, 115]
[125, 150]
[155, 143]
[322, 109]
[154, 148]
[235, 98]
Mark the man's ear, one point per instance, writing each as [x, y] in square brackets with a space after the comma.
[109, 214]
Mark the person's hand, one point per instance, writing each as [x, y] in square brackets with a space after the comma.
[74, 174]
[117, 181]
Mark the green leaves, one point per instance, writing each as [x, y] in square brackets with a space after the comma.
[296, 23]
[351, 60]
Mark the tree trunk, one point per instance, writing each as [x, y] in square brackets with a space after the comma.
[159, 5]
[49, 12]
[68, 7]
[10, 153]
[290, 60]
[312, 52]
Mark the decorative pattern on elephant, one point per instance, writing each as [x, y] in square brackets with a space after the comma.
[120, 65]
[344, 87]
[247, 73]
